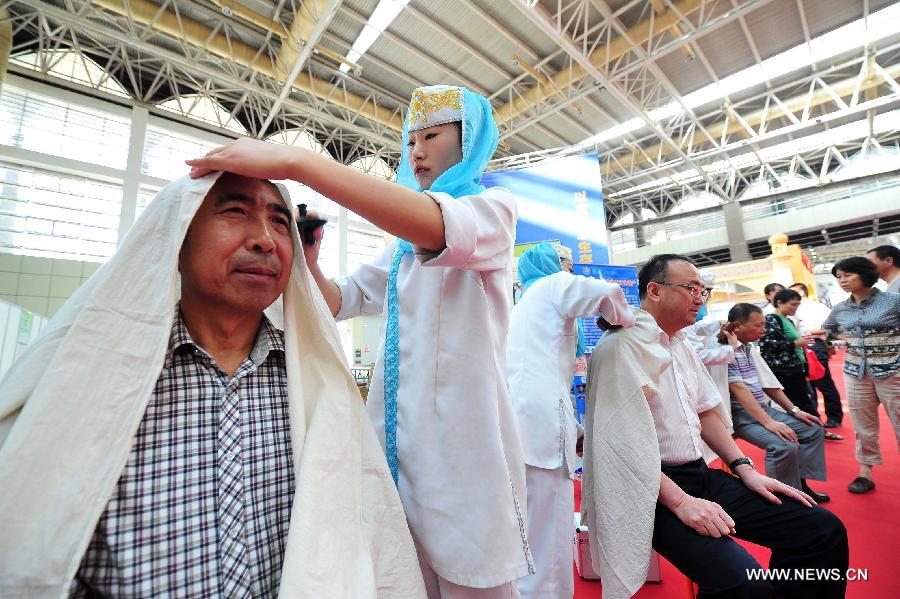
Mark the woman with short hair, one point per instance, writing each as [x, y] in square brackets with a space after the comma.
[869, 320]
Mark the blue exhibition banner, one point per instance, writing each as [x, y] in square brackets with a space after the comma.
[624, 276]
[562, 200]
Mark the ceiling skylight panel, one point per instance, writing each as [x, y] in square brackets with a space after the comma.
[381, 19]
[880, 24]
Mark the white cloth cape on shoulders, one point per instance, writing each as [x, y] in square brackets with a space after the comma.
[621, 454]
[69, 409]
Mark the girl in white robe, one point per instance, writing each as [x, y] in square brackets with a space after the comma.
[438, 399]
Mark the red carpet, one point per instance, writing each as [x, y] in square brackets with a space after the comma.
[872, 520]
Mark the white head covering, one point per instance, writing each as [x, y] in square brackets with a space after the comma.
[69, 409]
[562, 251]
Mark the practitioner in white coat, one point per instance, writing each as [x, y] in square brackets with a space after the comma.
[704, 336]
[540, 359]
[438, 398]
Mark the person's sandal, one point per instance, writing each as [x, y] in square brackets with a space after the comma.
[861, 485]
[829, 436]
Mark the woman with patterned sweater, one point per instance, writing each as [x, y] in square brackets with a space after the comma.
[869, 320]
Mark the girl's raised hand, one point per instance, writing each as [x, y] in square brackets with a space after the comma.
[248, 157]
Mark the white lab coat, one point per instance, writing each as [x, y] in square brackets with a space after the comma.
[461, 470]
[540, 357]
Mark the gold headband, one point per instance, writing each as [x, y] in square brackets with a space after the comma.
[434, 105]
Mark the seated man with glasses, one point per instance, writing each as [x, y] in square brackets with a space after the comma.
[699, 509]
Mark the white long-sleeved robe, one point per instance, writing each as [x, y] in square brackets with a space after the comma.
[461, 470]
[540, 358]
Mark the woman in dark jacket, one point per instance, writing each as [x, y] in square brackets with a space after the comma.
[782, 349]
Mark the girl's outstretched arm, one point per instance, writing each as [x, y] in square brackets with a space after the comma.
[408, 214]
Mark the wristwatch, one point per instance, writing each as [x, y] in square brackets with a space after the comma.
[795, 410]
[741, 462]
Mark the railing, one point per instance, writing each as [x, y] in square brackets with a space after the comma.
[701, 222]
[624, 237]
[783, 203]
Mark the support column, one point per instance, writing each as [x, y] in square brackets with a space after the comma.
[5, 43]
[639, 240]
[132, 181]
[348, 330]
[734, 226]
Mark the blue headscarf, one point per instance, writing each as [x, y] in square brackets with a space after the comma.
[702, 312]
[536, 263]
[479, 142]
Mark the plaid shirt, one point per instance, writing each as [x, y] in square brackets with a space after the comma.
[203, 505]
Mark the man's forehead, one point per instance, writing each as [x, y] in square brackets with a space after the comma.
[261, 189]
[684, 270]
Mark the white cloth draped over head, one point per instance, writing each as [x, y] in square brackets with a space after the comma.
[621, 454]
[70, 407]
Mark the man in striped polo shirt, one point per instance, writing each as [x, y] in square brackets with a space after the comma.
[793, 439]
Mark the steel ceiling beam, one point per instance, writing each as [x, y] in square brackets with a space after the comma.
[201, 36]
[127, 40]
[539, 18]
[615, 71]
[585, 66]
[306, 30]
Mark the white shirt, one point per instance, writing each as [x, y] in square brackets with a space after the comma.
[703, 337]
[768, 309]
[685, 390]
[894, 286]
[810, 315]
[462, 472]
[540, 358]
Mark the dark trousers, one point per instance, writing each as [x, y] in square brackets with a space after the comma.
[799, 537]
[795, 388]
[830, 394]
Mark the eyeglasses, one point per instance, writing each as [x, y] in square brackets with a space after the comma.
[696, 290]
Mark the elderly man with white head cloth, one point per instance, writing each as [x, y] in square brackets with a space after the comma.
[540, 359]
[159, 442]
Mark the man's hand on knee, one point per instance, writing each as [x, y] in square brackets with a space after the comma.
[766, 488]
[705, 517]
[781, 430]
[808, 418]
